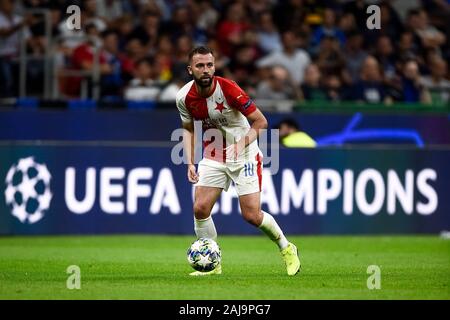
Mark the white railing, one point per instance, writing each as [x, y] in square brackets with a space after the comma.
[52, 71]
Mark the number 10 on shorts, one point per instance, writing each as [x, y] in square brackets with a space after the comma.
[249, 169]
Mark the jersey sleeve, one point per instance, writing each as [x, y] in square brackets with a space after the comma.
[184, 113]
[237, 98]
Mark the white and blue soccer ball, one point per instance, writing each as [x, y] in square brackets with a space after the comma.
[204, 254]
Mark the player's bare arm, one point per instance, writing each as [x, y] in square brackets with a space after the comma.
[188, 144]
[258, 122]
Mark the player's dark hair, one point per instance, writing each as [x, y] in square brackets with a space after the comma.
[199, 50]
[290, 123]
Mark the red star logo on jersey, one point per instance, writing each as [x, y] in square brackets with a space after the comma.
[220, 107]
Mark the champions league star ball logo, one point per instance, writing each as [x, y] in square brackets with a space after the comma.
[28, 190]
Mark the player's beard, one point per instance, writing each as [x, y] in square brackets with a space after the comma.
[204, 81]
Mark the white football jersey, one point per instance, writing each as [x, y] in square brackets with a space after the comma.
[225, 109]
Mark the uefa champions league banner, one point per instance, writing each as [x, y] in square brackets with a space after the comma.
[106, 189]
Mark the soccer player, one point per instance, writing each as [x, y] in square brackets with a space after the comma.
[222, 105]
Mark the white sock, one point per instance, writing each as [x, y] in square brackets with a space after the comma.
[205, 228]
[271, 228]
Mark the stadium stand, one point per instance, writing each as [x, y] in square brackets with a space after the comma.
[301, 53]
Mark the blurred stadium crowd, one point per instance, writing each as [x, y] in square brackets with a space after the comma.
[313, 50]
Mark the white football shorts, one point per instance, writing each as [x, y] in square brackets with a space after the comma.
[246, 175]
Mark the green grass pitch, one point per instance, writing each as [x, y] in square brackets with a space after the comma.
[155, 267]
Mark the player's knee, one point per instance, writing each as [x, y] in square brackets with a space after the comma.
[201, 210]
[253, 218]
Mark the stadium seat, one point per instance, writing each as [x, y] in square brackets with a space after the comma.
[141, 104]
[28, 102]
[85, 104]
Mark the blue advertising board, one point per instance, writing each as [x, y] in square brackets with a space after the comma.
[101, 189]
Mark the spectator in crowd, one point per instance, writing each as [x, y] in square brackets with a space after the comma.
[412, 89]
[38, 28]
[143, 87]
[183, 46]
[311, 88]
[110, 11]
[370, 88]
[242, 65]
[334, 88]
[314, 11]
[407, 48]
[162, 8]
[112, 84]
[390, 24]
[83, 58]
[293, 136]
[124, 27]
[11, 26]
[147, 32]
[330, 59]
[358, 9]
[439, 12]
[390, 67]
[347, 23]
[384, 53]
[35, 65]
[248, 38]
[71, 37]
[268, 35]
[426, 35]
[289, 14]
[279, 86]
[207, 17]
[134, 51]
[291, 57]
[435, 83]
[91, 15]
[390, 20]
[354, 55]
[182, 24]
[163, 54]
[257, 7]
[36, 42]
[132, 7]
[328, 28]
[221, 61]
[230, 30]
[169, 92]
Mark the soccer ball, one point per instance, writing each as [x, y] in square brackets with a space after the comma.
[204, 254]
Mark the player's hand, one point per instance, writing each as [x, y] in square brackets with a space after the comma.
[192, 174]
